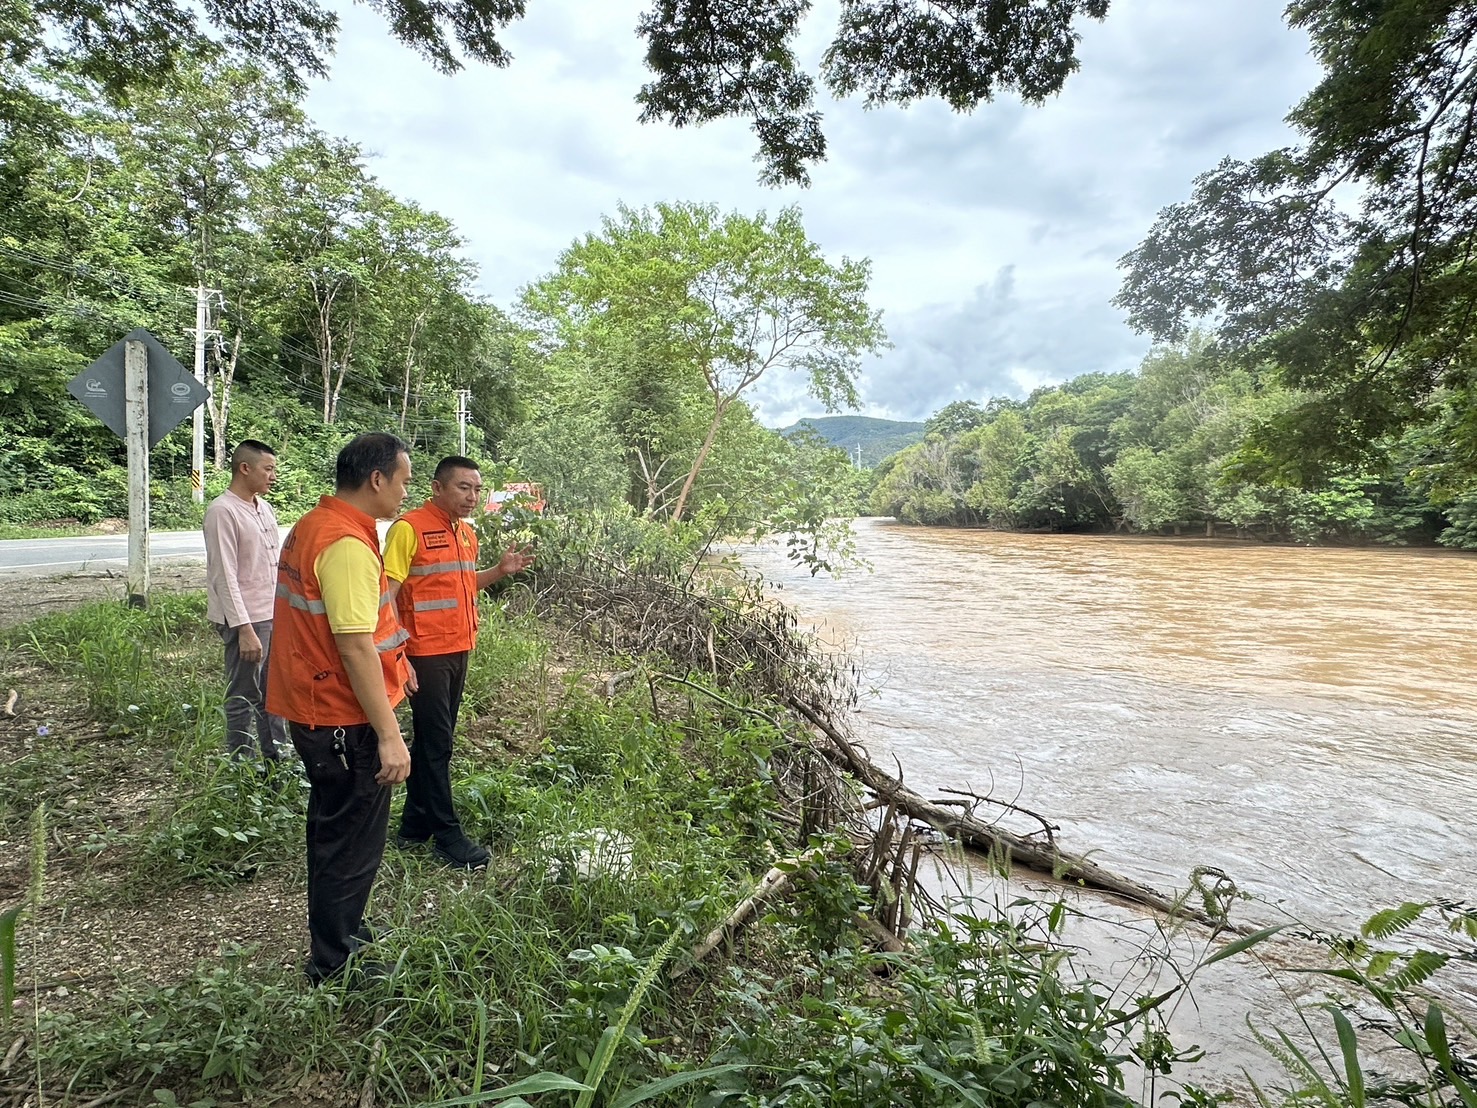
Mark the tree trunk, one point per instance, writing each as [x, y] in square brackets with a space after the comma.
[218, 404]
[415, 326]
[343, 368]
[701, 459]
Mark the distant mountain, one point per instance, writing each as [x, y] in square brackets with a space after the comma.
[878, 438]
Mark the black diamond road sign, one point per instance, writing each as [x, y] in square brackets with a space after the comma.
[173, 392]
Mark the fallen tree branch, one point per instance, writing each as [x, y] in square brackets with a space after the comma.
[615, 681]
[774, 882]
[1047, 827]
[979, 835]
[10, 702]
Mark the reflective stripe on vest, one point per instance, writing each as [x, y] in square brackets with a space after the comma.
[400, 635]
[443, 567]
[300, 602]
[437, 601]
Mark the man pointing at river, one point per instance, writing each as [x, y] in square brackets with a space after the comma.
[431, 562]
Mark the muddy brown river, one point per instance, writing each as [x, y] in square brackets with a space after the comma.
[1302, 719]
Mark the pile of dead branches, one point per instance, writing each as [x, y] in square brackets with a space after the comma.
[748, 649]
[719, 624]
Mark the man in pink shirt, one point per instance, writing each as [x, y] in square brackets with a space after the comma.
[241, 544]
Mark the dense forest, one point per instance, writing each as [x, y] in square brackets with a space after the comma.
[1175, 447]
[620, 379]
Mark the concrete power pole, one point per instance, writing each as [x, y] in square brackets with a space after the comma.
[136, 399]
[463, 413]
[202, 331]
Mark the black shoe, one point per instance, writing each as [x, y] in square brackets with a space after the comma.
[356, 973]
[462, 855]
[408, 842]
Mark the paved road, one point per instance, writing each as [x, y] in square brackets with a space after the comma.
[79, 553]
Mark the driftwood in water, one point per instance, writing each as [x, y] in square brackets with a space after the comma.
[1042, 857]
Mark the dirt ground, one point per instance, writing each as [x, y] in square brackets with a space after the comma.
[25, 597]
[95, 931]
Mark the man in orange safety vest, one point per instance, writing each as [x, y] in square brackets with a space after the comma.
[338, 671]
[431, 562]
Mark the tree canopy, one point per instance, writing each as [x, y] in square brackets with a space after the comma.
[1346, 260]
[675, 312]
[708, 60]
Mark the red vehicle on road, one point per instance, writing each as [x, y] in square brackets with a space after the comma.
[522, 494]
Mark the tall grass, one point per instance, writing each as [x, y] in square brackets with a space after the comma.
[142, 672]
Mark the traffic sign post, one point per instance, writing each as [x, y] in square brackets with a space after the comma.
[136, 399]
[142, 393]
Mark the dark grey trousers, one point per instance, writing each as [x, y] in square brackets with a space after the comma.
[246, 686]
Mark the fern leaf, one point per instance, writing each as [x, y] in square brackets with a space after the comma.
[1418, 967]
[1392, 921]
[1381, 963]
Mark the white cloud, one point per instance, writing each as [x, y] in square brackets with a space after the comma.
[994, 236]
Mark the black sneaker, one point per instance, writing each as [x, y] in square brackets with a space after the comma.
[406, 842]
[462, 855]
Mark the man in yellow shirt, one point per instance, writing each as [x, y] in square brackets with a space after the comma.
[338, 671]
[431, 562]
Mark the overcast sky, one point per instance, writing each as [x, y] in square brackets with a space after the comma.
[994, 237]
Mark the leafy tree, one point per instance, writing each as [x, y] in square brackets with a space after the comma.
[1149, 485]
[955, 418]
[923, 485]
[707, 305]
[1002, 450]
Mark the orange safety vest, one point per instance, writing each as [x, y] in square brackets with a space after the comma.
[437, 603]
[306, 680]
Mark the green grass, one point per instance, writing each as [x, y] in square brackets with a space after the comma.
[34, 531]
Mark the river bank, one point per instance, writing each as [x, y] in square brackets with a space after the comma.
[162, 955]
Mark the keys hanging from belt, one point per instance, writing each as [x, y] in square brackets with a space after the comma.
[339, 747]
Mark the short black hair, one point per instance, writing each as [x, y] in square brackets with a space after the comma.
[249, 450]
[371, 452]
[453, 461]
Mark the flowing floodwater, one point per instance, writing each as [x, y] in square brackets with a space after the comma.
[1302, 719]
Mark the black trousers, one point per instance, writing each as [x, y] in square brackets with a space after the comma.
[433, 708]
[348, 818]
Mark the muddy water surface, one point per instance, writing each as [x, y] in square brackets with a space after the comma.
[1302, 719]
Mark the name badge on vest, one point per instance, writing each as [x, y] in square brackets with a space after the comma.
[437, 540]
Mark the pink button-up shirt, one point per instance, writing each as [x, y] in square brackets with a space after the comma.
[241, 544]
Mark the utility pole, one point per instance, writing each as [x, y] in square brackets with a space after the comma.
[197, 455]
[463, 413]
